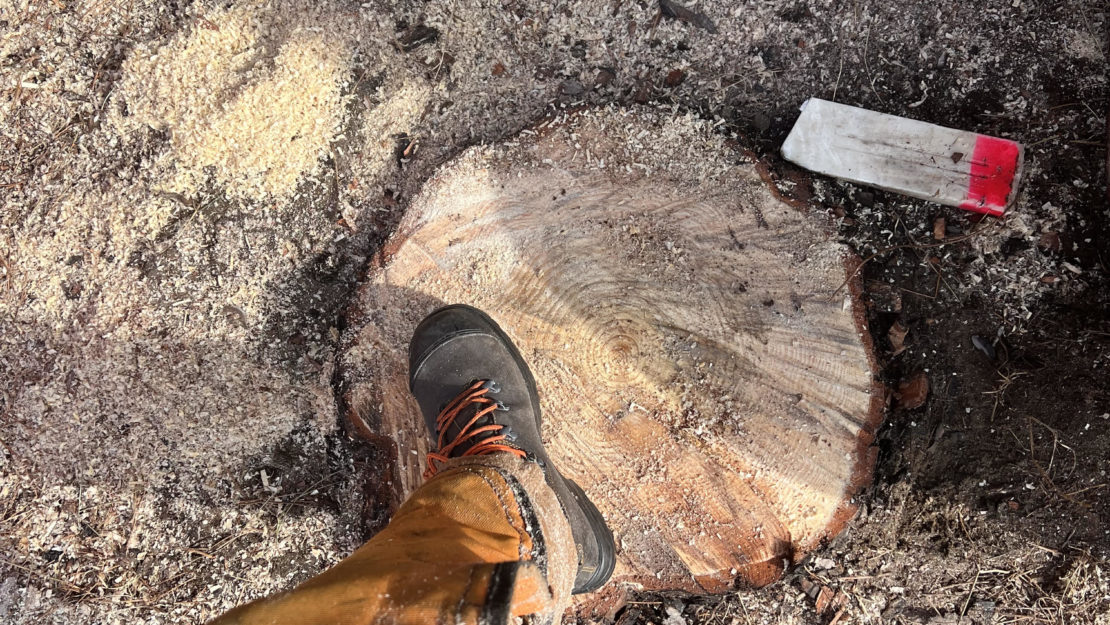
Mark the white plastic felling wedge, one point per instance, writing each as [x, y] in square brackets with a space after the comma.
[954, 167]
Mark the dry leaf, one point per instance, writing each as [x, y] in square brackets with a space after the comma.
[897, 335]
[913, 391]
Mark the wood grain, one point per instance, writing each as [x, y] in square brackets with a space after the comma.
[702, 373]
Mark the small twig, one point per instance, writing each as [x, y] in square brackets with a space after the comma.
[967, 601]
[1043, 548]
[1046, 139]
[1083, 490]
[744, 609]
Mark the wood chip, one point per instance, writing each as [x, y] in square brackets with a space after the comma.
[906, 156]
[824, 599]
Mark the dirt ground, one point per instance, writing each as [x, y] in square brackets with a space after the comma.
[191, 190]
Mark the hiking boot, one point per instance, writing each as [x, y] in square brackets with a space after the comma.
[478, 397]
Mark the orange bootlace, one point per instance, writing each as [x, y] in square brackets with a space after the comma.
[474, 395]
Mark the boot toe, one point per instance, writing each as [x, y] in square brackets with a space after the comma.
[443, 325]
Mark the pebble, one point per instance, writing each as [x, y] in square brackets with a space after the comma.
[983, 345]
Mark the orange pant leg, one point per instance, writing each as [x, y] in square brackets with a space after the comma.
[483, 540]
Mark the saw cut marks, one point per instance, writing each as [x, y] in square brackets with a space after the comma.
[703, 375]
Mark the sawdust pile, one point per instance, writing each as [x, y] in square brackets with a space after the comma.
[165, 401]
[254, 93]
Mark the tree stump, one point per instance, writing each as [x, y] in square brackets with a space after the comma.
[700, 349]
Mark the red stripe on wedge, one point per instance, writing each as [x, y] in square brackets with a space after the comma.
[993, 165]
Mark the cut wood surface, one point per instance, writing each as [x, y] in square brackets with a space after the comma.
[704, 369]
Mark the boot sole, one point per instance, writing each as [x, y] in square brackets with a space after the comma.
[606, 545]
[608, 549]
